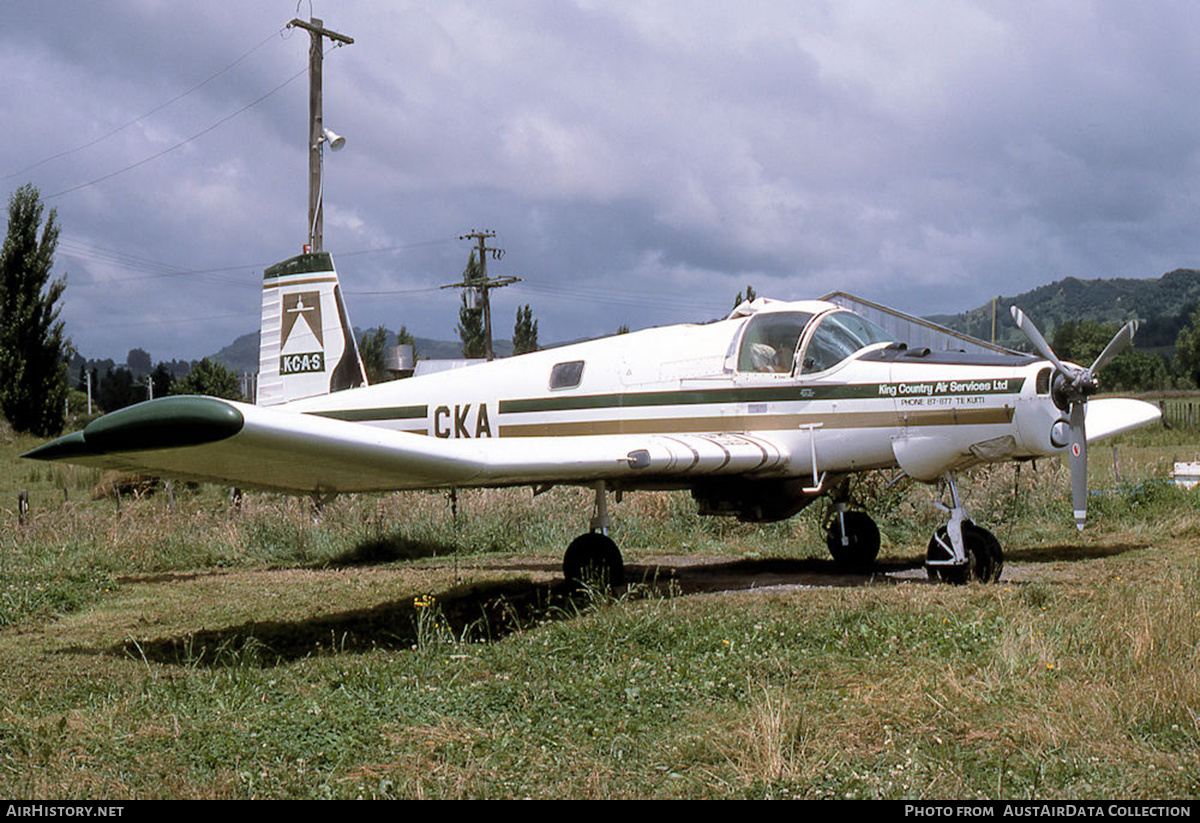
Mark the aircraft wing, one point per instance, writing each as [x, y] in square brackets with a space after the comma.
[207, 439]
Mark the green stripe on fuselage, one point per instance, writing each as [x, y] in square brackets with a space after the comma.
[695, 397]
[767, 394]
[364, 415]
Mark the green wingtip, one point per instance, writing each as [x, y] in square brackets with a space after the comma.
[61, 448]
[170, 422]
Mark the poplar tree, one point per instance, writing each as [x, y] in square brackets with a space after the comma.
[33, 350]
[404, 338]
[373, 350]
[749, 297]
[470, 320]
[525, 331]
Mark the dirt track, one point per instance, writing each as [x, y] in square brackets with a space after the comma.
[695, 574]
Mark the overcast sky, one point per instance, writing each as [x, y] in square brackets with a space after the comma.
[641, 162]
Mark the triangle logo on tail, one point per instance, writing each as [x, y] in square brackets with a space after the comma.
[307, 305]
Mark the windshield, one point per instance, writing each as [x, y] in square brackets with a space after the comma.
[769, 343]
[838, 336]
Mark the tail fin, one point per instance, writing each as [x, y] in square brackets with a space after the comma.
[307, 345]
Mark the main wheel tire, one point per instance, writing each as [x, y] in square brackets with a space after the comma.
[862, 545]
[985, 558]
[594, 558]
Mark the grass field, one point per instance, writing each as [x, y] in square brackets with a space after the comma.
[185, 649]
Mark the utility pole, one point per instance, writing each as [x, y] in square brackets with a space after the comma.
[316, 130]
[484, 284]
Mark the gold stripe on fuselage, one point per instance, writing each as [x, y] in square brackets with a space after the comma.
[761, 422]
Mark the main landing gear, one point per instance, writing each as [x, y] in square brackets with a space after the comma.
[960, 551]
[852, 538]
[593, 557]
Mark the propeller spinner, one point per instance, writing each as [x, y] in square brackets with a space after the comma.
[1073, 386]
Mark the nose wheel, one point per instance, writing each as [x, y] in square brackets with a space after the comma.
[960, 551]
[983, 558]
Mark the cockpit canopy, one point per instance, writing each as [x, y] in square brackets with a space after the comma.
[772, 341]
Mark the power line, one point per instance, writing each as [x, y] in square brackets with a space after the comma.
[342, 255]
[141, 117]
[182, 143]
[90, 252]
[627, 298]
[87, 252]
[389, 292]
[165, 321]
[155, 269]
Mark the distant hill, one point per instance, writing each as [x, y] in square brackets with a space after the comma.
[242, 354]
[1163, 305]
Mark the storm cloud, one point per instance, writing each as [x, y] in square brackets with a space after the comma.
[640, 162]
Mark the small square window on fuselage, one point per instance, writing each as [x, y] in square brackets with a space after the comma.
[566, 375]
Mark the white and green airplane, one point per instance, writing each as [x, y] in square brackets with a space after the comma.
[758, 415]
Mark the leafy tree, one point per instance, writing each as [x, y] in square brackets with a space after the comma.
[373, 347]
[1064, 340]
[163, 380]
[525, 332]
[33, 350]
[117, 389]
[1187, 349]
[470, 320]
[138, 361]
[212, 378]
[177, 368]
[1133, 370]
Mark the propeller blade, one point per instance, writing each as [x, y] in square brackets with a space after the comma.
[1035, 337]
[1115, 346]
[1078, 457]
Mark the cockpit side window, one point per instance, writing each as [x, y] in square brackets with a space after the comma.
[838, 336]
[769, 342]
[566, 375]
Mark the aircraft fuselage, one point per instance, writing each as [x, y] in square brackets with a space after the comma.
[882, 406]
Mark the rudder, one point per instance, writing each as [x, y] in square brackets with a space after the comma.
[307, 346]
